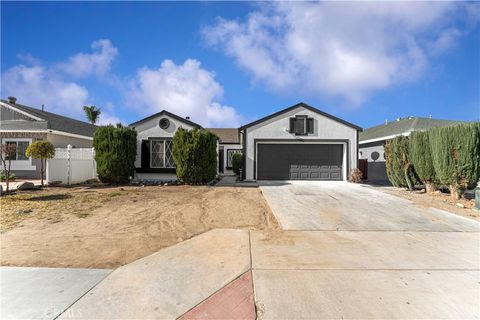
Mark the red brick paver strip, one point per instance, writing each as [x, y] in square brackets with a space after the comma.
[234, 301]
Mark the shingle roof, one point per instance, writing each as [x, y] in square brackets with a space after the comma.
[402, 126]
[226, 135]
[58, 122]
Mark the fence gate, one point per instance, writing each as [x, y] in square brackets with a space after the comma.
[72, 165]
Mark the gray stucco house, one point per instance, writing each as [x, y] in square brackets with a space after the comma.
[296, 143]
[21, 125]
[372, 141]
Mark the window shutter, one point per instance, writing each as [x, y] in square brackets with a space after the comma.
[310, 125]
[292, 125]
[145, 157]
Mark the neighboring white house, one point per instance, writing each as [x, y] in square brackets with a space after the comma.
[300, 143]
[372, 141]
[21, 125]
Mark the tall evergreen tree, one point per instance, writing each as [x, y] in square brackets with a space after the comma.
[455, 153]
[400, 170]
[421, 158]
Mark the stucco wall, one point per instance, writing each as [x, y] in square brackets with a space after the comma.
[367, 150]
[61, 141]
[277, 128]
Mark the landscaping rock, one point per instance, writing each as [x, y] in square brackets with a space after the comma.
[460, 205]
[27, 185]
[24, 211]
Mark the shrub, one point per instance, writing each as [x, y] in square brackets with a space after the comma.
[42, 150]
[455, 153]
[3, 176]
[400, 171]
[237, 162]
[115, 151]
[356, 176]
[195, 155]
[420, 155]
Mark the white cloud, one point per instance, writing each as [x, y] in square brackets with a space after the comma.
[96, 63]
[339, 49]
[36, 85]
[108, 115]
[186, 90]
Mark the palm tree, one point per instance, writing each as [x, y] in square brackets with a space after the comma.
[92, 113]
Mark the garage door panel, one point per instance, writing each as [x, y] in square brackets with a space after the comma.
[299, 161]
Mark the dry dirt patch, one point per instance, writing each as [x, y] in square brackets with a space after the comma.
[106, 228]
[437, 200]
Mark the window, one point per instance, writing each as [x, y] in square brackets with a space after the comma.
[301, 125]
[230, 153]
[161, 154]
[21, 147]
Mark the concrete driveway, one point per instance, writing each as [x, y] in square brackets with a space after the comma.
[350, 251]
[332, 205]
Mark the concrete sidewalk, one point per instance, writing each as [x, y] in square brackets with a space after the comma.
[43, 293]
[167, 284]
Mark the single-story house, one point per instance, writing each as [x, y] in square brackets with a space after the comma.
[299, 142]
[21, 125]
[372, 141]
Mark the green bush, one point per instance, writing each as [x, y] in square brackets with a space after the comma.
[42, 150]
[237, 162]
[420, 155]
[3, 176]
[115, 151]
[400, 170]
[455, 153]
[195, 155]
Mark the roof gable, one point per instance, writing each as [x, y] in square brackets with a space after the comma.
[306, 106]
[165, 112]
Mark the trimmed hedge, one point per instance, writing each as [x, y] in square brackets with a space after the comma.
[400, 170]
[115, 151]
[195, 155]
[237, 162]
[420, 155]
[456, 155]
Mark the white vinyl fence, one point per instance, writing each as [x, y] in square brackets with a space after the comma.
[72, 165]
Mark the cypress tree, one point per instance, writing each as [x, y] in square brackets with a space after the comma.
[115, 151]
[455, 153]
[400, 170]
[421, 158]
[195, 155]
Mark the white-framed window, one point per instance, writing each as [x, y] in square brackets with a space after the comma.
[20, 146]
[301, 125]
[161, 153]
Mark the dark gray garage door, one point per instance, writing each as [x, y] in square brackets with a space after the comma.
[299, 161]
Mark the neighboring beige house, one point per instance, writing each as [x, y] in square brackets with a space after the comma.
[21, 125]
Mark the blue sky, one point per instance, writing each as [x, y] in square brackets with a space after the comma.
[225, 64]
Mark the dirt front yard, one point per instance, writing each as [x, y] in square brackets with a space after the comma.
[109, 227]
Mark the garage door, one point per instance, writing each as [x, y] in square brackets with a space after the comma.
[299, 161]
